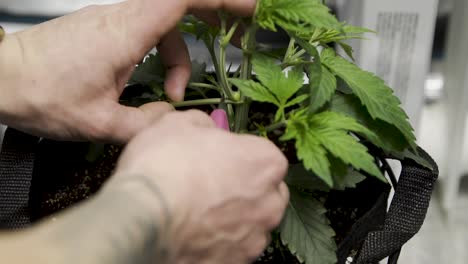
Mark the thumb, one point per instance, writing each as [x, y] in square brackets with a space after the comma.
[127, 121]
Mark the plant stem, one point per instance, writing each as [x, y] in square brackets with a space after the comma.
[223, 75]
[242, 110]
[204, 102]
[270, 128]
[214, 58]
[290, 50]
[223, 43]
[202, 93]
[203, 85]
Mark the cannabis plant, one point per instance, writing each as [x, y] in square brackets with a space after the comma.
[336, 122]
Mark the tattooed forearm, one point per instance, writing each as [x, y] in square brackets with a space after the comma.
[127, 222]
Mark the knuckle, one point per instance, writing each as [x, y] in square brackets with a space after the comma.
[258, 246]
[278, 164]
[275, 155]
[275, 217]
[281, 162]
[194, 113]
[165, 106]
[100, 126]
[173, 117]
[198, 117]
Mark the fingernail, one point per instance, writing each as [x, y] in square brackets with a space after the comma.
[220, 118]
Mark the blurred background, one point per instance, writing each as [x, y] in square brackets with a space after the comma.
[420, 50]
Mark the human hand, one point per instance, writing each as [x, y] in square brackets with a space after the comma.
[224, 192]
[62, 79]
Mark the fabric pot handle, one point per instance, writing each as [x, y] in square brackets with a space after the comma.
[16, 170]
[406, 214]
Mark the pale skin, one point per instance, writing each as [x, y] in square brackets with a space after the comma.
[184, 191]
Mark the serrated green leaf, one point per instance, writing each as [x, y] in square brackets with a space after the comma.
[408, 154]
[152, 70]
[321, 82]
[332, 128]
[297, 100]
[309, 149]
[373, 93]
[348, 180]
[309, 48]
[271, 76]
[307, 11]
[300, 177]
[344, 176]
[306, 231]
[255, 91]
[314, 156]
[349, 150]
[347, 49]
[325, 91]
[291, 13]
[385, 135]
[328, 132]
[354, 30]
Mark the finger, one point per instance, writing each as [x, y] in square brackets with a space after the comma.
[275, 205]
[194, 117]
[238, 7]
[124, 122]
[256, 244]
[2, 33]
[284, 194]
[175, 56]
[211, 17]
[147, 28]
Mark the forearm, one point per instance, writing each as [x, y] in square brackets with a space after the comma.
[12, 69]
[124, 223]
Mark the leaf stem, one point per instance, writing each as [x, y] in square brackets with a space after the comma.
[270, 128]
[204, 102]
[223, 42]
[290, 50]
[242, 110]
[203, 85]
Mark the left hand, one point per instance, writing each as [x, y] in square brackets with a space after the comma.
[62, 79]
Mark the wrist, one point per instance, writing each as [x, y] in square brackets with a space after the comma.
[11, 76]
[124, 223]
[144, 220]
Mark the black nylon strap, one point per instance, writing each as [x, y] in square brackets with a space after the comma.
[16, 168]
[407, 212]
[372, 220]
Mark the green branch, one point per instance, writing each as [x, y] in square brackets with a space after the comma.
[270, 128]
[242, 111]
[203, 85]
[204, 102]
[225, 38]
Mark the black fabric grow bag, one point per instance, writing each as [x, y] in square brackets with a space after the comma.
[28, 187]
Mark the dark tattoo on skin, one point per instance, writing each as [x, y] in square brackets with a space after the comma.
[117, 227]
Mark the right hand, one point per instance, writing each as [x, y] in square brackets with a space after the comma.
[225, 192]
[79, 100]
